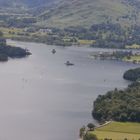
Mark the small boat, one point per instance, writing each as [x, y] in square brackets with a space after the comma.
[68, 63]
[53, 51]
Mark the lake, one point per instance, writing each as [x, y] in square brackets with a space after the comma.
[43, 99]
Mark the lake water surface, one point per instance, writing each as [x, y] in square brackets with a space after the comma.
[43, 99]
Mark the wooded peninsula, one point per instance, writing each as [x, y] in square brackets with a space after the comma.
[7, 51]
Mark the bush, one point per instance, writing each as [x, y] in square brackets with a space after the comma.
[91, 126]
[90, 136]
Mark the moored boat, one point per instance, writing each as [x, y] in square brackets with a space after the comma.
[53, 51]
[68, 63]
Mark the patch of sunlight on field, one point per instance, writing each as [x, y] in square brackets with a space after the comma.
[121, 127]
[116, 135]
[119, 131]
[14, 31]
[134, 46]
[132, 58]
[86, 42]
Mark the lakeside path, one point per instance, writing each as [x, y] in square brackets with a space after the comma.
[102, 125]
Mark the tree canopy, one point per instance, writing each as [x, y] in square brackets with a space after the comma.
[9, 51]
[132, 74]
[119, 105]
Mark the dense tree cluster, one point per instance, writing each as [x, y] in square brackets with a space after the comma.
[13, 52]
[90, 136]
[9, 51]
[132, 74]
[47, 39]
[106, 35]
[20, 22]
[114, 36]
[119, 105]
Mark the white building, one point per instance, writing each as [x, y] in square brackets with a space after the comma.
[45, 30]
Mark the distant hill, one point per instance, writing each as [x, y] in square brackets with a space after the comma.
[64, 13]
[26, 3]
[88, 12]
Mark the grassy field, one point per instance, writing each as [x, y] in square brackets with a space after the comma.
[135, 58]
[14, 31]
[119, 131]
[86, 42]
[17, 32]
[134, 46]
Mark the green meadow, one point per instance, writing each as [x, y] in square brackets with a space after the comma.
[119, 131]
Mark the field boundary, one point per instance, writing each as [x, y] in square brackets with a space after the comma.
[117, 131]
